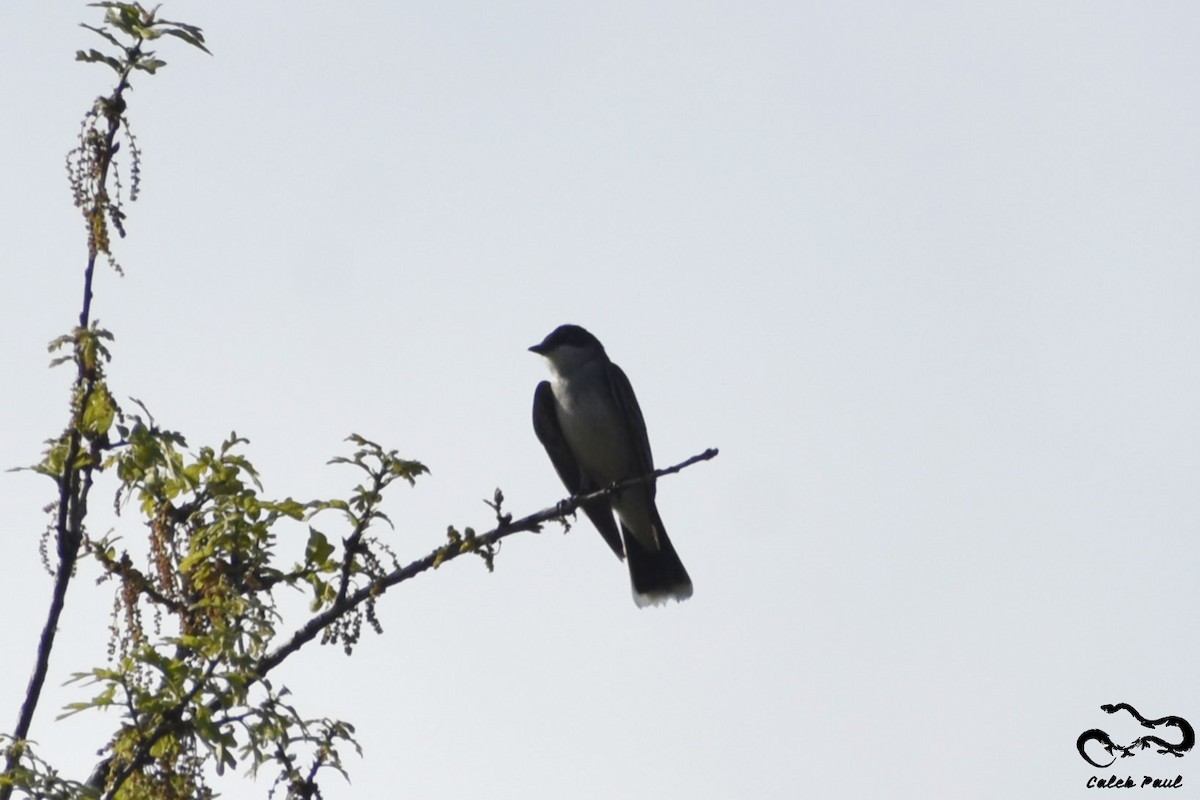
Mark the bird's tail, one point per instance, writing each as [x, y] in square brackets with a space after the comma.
[657, 575]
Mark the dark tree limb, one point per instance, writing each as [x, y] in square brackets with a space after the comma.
[347, 601]
[532, 523]
[76, 479]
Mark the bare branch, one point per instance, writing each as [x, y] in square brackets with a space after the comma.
[531, 522]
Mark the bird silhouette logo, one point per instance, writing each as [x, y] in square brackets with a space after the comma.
[1184, 732]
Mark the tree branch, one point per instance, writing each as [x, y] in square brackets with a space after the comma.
[531, 522]
[347, 601]
[353, 543]
[72, 493]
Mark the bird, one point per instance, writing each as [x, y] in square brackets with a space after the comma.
[588, 419]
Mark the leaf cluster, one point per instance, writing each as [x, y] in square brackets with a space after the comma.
[92, 168]
[126, 27]
[193, 688]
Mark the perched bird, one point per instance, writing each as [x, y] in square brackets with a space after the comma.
[590, 424]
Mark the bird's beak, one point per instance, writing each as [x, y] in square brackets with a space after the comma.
[539, 348]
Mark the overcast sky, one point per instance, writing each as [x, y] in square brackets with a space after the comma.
[925, 272]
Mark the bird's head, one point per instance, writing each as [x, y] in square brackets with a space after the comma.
[568, 346]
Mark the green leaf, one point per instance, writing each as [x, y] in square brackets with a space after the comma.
[150, 65]
[102, 32]
[95, 56]
[288, 508]
[189, 33]
[125, 16]
[100, 412]
[318, 550]
[323, 592]
[409, 470]
[56, 458]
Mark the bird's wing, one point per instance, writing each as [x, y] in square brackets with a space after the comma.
[549, 433]
[627, 402]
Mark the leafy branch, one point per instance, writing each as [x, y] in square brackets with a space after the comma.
[461, 544]
[73, 458]
[224, 717]
[195, 627]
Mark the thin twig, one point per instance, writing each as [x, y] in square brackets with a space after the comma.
[353, 543]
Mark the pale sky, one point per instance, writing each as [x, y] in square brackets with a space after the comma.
[927, 273]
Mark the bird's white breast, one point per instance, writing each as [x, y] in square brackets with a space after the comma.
[593, 424]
